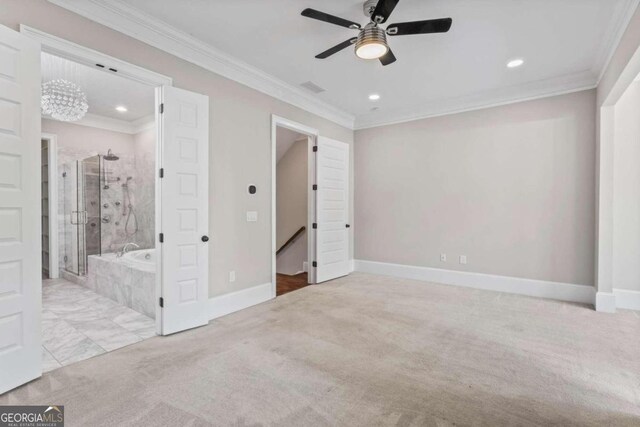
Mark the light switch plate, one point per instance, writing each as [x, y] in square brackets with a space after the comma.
[252, 216]
[232, 276]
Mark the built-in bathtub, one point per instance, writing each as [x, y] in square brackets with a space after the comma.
[129, 280]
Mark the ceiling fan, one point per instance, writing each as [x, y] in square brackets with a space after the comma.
[371, 42]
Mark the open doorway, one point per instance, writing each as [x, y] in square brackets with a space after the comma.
[98, 212]
[327, 229]
[292, 210]
[179, 134]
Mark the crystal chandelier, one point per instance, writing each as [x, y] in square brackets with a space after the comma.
[63, 100]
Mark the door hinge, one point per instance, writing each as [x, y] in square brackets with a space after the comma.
[315, 187]
[161, 237]
[161, 108]
[315, 225]
[314, 264]
[161, 172]
[315, 148]
[161, 302]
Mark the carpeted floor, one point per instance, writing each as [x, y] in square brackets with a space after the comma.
[367, 350]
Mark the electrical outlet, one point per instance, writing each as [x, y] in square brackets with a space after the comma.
[252, 216]
[463, 259]
[232, 276]
[443, 257]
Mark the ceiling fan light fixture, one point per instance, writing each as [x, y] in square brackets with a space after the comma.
[371, 43]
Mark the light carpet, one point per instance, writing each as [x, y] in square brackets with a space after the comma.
[367, 350]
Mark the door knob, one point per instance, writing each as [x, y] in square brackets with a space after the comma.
[348, 226]
[205, 238]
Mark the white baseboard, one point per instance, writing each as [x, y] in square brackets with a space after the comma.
[629, 300]
[229, 303]
[605, 302]
[536, 288]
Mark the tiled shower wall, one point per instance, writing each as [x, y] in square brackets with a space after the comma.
[145, 161]
[137, 160]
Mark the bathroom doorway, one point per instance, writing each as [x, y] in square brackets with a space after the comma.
[179, 135]
[99, 200]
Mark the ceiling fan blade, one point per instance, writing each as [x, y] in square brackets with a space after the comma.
[389, 58]
[383, 10]
[420, 27]
[337, 48]
[325, 17]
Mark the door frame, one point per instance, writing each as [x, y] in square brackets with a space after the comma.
[74, 52]
[605, 300]
[312, 134]
[52, 151]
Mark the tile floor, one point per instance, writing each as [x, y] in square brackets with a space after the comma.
[77, 324]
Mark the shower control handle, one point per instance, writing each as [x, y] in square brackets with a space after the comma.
[205, 238]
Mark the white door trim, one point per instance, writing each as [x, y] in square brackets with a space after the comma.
[606, 297]
[83, 55]
[54, 256]
[78, 53]
[277, 121]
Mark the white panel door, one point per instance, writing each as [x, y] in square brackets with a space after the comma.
[184, 217]
[20, 240]
[332, 205]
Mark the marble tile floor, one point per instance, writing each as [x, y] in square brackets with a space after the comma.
[77, 324]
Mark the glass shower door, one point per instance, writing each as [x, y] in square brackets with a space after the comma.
[82, 213]
[74, 218]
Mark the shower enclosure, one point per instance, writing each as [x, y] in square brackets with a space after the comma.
[98, 210]
[82, 213]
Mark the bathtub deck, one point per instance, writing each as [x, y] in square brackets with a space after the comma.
[78, 323]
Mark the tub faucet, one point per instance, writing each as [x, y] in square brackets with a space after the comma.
[125, 249]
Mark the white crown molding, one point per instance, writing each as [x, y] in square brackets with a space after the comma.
[114, 125]
[121, 17]
[144, 123]
[526, 92]
[614, 35]
[583, 294]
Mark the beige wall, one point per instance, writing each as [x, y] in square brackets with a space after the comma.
[240, 137]
[626, 191]
[291, 207]
[511, 187]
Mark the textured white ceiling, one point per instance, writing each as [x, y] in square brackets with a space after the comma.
[104, 90]
[565, 45]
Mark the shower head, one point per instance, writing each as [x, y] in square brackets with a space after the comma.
[110, 157]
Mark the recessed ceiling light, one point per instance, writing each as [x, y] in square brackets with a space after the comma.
[121, 108]
[515, 63]
[374, 97]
